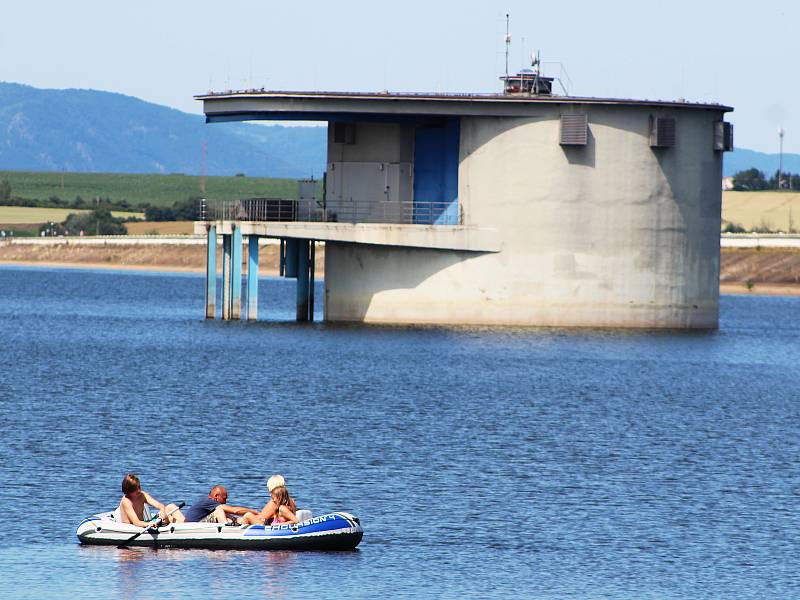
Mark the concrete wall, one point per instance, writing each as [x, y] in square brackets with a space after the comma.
[612, 234]
[369, 179]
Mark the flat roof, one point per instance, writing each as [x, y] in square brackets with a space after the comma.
[320, 105]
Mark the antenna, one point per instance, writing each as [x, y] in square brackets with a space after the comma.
[508, 43]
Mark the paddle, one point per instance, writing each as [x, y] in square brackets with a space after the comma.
[154, 519]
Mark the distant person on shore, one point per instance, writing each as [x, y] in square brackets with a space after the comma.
[213, 508]
[132, 505]
[281, 508]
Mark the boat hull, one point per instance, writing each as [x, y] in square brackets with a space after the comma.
[334, 531]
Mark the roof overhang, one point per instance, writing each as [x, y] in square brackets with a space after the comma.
[328, 106]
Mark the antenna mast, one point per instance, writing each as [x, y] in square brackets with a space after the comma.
[508, 43]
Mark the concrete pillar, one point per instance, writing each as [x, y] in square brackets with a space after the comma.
[236, 274]
[211, 273]
[312, 251]
[302, 280]
[252, 278]
[226, 277]
[290, 257]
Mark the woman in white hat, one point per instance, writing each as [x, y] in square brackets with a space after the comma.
[281, 508]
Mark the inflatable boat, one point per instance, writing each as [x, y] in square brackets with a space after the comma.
[332, 531]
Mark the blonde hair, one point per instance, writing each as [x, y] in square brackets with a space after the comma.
[282, 498]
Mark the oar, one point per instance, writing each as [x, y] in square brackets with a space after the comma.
[136, 535]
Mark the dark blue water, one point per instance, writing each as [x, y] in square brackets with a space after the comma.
[482, 462]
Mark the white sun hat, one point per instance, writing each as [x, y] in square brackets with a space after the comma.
[275, 481]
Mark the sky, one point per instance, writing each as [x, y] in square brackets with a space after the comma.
[740, 54]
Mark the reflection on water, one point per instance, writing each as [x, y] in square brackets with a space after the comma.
[481, 461]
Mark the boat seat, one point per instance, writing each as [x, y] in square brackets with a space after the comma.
[303, 515]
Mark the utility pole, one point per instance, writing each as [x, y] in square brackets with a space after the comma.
[780, 160]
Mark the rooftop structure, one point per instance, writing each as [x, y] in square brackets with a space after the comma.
[522, 208]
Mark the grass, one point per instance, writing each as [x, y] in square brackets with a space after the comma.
[137, 189]
[16, 215]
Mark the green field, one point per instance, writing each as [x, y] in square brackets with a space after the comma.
[157, 190]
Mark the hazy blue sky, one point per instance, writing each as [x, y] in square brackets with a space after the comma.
[737, 53]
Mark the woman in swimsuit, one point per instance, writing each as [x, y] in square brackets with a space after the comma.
[281, 508]
[131, 506]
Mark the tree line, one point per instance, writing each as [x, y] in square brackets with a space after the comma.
[753, 180]
[98, 220]
[182, 210]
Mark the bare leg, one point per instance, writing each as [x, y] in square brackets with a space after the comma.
[250, 519]
[220, 516]
[177, 516]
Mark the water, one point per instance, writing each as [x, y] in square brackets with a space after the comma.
[482, 462]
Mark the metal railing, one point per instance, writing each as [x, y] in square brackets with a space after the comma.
[345, 210]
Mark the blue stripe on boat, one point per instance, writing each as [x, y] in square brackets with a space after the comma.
[313, 525]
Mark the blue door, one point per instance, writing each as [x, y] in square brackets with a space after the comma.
[436, 173]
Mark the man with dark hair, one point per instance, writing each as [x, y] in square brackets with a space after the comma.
[213, 508]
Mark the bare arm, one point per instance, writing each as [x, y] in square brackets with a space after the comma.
[152, 501]
[287, 514]
[268, 511]
[237, 510]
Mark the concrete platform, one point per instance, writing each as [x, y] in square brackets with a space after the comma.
[439, 237]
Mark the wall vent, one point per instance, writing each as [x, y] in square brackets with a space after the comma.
[574, 129]
[723, 136]
[662, 132]
[344, 133]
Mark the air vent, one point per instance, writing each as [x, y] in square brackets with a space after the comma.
[662, 132]
[344, 133]
[574, 129]
[723, 136]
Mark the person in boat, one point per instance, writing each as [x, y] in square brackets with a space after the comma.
[132, 505]
[281, 508]
[213, 508]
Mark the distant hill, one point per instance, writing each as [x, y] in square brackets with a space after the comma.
[741, 159]
[92, 131]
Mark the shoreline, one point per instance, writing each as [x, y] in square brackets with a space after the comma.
[743, 271]
[105, 266]
[729, 288]
[164, 258]
[726, 288]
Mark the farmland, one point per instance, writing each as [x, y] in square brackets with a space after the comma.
[17, 215]
[140, 189]
[767, 210]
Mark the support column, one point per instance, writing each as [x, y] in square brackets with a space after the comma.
[252, 278]
[226, 276]
[312, 257]
[211, 273]
[302, 280]
[290, 257]
[236, 273]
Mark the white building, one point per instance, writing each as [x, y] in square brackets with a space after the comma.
[506, 209]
